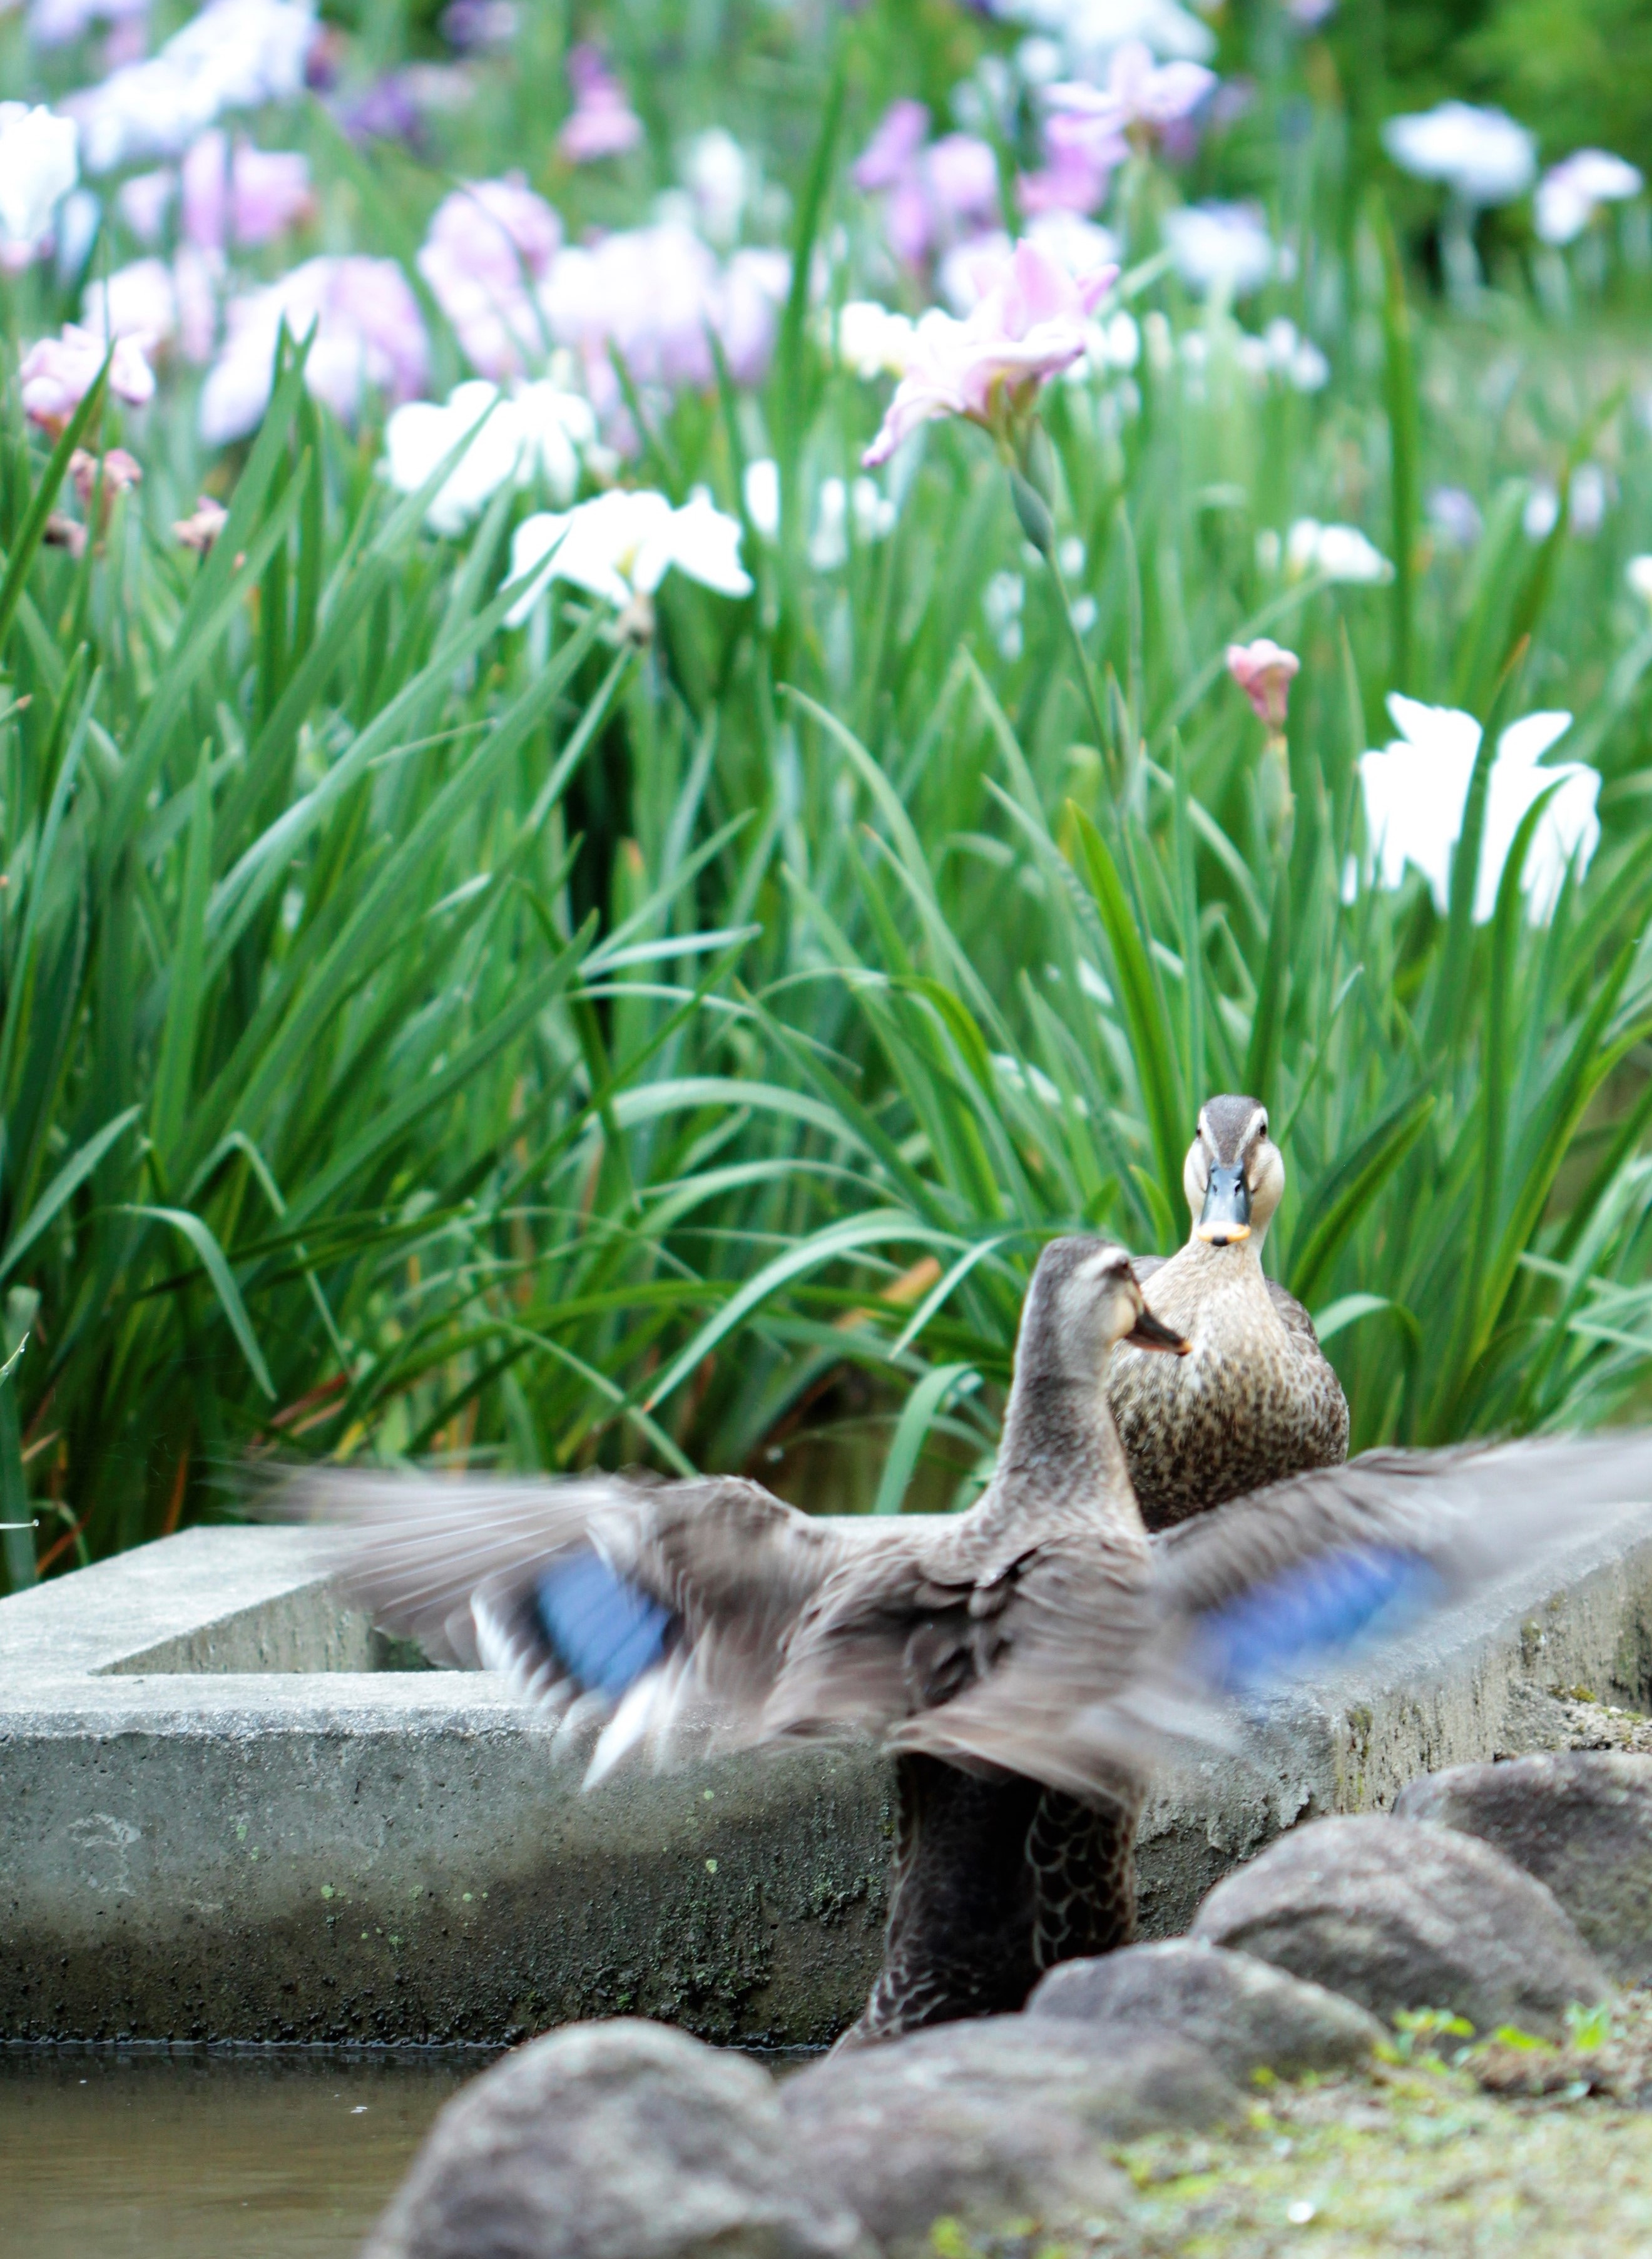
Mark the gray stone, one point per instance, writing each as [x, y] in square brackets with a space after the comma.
[226, 1818]
[1398, 1915]
[1580, 1820]
[993, 2121]
[615, 2141]
[1243, 2014]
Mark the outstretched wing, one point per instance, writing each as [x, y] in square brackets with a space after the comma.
[985, 1666]
[662, 1610]
[1254, 1592]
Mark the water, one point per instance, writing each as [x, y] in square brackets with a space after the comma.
[184, 2154]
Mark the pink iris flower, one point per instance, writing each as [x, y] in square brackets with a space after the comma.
[139, 300]
[99, 480]
[365, 332]
[495, 230]
[489, 243]
[602, 123]
[1076, 171]
[1141, 100]
[1263, 671]
[58, 373]
[903, 130]
[247, 198]
[653, 295]
[195, 279]
[644, 292]
[932, 193]
[202, 526]
[989, 368]
[144, 201]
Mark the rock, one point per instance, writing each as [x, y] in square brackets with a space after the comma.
[615, 2140]
[1533, 1720]
[1581, 1822]
[1243, 2014]
[1399, 1915]
[995, 2120]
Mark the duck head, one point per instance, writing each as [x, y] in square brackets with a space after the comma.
[1084, 1297]
[1234, 1174]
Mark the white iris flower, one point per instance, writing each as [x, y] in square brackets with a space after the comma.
[37, 168]
[1416, 789]
[621, 545]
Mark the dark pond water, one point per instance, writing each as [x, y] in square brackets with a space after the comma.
[171, 2154]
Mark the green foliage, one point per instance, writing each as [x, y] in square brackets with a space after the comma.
[1418, 2034]
[422, 1037]
[1580, 70]
[1588, 2028]
[267, 1024]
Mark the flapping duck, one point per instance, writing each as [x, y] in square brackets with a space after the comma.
[1019, 1662]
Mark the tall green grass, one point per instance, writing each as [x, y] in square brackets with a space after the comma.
[425, 1037]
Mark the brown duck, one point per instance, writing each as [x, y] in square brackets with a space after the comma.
[1256, 1399]
[1017, 1661]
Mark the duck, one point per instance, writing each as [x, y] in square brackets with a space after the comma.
[1256, 1399]
[662, 1620]
[1024, 1665]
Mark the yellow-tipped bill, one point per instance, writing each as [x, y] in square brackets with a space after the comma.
[1225, 1218]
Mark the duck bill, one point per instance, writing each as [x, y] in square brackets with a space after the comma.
[1150, 1332]
[1225, 1218]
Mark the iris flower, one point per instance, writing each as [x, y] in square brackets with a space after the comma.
[1415, 792]
[1032, 323]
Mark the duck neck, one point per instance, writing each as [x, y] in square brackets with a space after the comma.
[1060, 1449]
[1235, 1261]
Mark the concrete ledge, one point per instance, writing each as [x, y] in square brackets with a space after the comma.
[208, 1600]
[222, 1823]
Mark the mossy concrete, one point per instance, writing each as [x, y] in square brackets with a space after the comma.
[222, 1822]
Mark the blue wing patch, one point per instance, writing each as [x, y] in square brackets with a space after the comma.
[1331, 1602]
[605, 1631]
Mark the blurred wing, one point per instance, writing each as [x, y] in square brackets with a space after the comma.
[662, 1611]
[1310, 1570]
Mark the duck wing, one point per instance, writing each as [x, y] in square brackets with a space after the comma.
[1306, 1570]
[662, 1611]
[987, 1668]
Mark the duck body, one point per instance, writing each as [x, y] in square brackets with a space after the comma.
[1254, 1400]
[1008, 1856]
[996, 1878]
